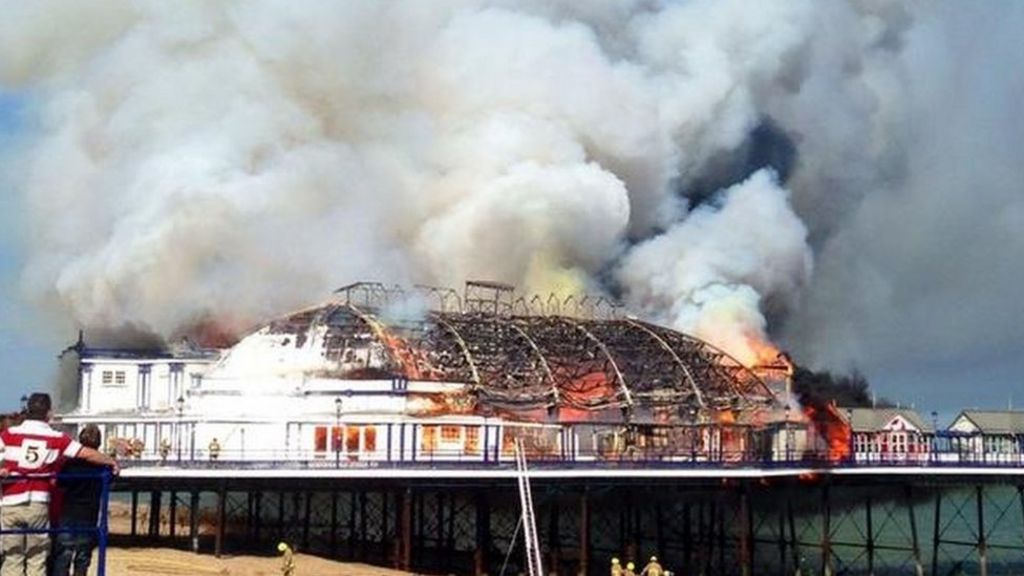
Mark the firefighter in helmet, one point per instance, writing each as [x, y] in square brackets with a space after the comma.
[616, 568]
[214, 449]
[630, 569]
[287, 559]
[653, 568]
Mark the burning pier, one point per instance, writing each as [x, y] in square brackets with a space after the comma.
[380, 425]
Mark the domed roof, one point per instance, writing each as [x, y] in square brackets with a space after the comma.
[512, 359]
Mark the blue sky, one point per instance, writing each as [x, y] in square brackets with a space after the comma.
[27, 355]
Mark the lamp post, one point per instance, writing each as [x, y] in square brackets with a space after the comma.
[336, 433]
[788, 438]
[935, 435]
[24, 404]
[180, 405]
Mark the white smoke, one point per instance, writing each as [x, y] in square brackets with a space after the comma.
[710, 274]
[240, 158]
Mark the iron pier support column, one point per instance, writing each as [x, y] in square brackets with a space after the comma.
[553, 532]
[794, 547]
[385, 526]
[936, 534]
[483, 533]
[826, 532]
[982, 544]
[352, 509]
[687, 535]
[334, 523]
[218, 544]
[172, 525]
[721, 540]
[404, 530]
[193, 521]
[585, 530]
[915, 541]
[782, 543]
[869, 535]
[258, 524]
[364, 536]
[280, 516]
[659, 525]
[1020, 493]
[707, 538]
[250, 513]
[746, 543]
[307, 512]
[153, 530]
[135, 512]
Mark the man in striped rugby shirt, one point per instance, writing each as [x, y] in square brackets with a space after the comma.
[32, 452]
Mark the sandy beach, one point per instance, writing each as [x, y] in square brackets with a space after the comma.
[169, 562]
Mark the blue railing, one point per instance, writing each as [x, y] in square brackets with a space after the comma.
[101, 530]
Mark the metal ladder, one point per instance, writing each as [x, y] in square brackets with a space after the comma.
[529, 521]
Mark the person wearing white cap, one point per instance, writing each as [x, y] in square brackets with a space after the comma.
[653, 568]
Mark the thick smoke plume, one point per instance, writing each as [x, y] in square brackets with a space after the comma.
[231, 160]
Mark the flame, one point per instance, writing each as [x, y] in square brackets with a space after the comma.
[764, 352]
[833, 429]
[725, 417]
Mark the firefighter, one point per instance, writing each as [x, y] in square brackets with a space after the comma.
[137, 447]
[214, 449]
[616, 568]
[287, 559]
[630, 569]
[653, 568]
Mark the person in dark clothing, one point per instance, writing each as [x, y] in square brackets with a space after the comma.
[79, 510]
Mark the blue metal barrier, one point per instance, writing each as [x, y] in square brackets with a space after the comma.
[101, 529]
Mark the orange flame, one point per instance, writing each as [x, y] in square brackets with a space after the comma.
[833, 429]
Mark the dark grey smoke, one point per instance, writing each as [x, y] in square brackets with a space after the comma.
[919, 280]
[766, 146]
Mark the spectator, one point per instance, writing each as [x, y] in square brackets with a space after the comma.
[31, 453]
[81, 504]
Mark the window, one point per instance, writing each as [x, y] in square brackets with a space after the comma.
[472, 439]
[113, 378]
[429, 441]
[899, 442]
[336, 436]
[450, 434]
[860, 443]
[352, 439]
[370, 439]
[320, 439]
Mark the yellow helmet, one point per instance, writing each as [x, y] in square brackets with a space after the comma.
[615, 560]
[654, 558]
[281, 546]
[630, 566]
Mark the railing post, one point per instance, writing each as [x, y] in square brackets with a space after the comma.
[102, 533]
